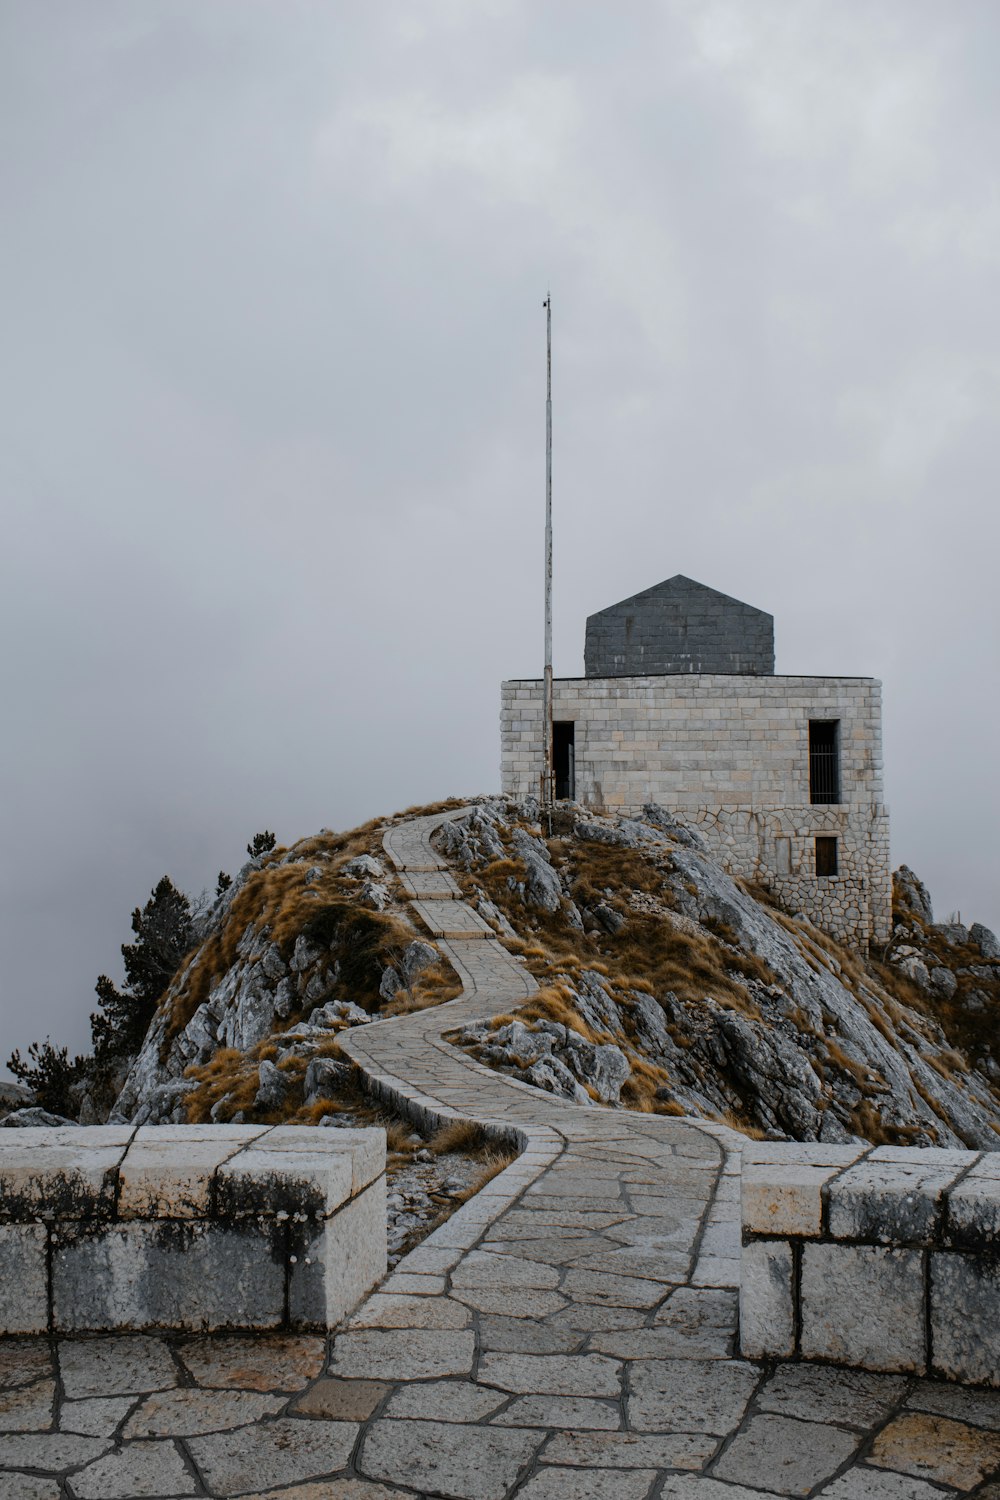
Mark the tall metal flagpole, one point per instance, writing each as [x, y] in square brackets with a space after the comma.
[547, 787]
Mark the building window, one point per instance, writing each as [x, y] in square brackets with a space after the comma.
[564, 759]
[826, 855]
[824, 760]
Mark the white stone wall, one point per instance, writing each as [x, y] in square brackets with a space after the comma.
[882, 1258]
[730, 755]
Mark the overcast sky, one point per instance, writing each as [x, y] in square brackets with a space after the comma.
[272, 421]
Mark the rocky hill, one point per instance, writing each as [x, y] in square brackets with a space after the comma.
[666, 985]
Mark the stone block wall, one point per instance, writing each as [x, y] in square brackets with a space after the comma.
[730, 756]
[885, 1258]
[188, 1227]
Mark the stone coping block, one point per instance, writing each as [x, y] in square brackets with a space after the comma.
[885, 1258]
[188, 1227]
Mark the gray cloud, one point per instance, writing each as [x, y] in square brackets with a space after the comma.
[270, 400]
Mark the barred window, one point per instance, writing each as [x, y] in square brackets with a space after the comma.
[824, 760]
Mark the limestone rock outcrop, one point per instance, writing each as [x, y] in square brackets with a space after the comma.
[748, 1013]
[665, 984]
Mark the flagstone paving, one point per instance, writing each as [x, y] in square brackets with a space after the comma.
[569, 1334]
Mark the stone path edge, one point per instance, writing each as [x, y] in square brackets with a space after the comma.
[538, 1146]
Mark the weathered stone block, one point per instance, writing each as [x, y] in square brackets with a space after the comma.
[863, 1305]
[767, 1300]
[60, 1174]
[168, 1170]
[782, 1185]
[965, 1317]
[181, 1274]
[24, 1300]
[261, 1180]
[972, 1218]
[337, 1261]
[894, 1196]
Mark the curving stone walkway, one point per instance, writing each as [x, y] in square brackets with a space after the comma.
[569, 1334]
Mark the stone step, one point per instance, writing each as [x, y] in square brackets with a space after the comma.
[452, 919]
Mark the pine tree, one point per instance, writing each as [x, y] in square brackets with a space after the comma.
[262, 843]
[50, 1074]
[163, 935]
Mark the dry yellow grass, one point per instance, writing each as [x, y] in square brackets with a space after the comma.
[493, 1164]
[739, 1122]
[278, 898]
[649, 953]
[460, 1135]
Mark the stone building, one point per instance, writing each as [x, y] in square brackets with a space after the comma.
[680, 706]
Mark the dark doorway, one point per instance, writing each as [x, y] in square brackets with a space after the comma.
[826, 856]
[824, 760]
[564, 758]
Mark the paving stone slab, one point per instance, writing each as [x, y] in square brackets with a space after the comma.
[27, 1408]
[422, 1284]
[272, 1362]
[453, 1461]
[335, 1489]
[270, 1453]
[482, 1269]
[559, 1412]
[551, 1374]
[694, 1315]
[402, 1354]
[570, 1484]
[555, 1252]
[623, 1450]
[862, 1483]
[391, 1310]
[616, 1291]
[587, 1317]
[785, 1454]
[697, 1487]
[186, 1413]
[520, 1304]
[655, 1343]
[525, 1336]
[23, 1361]
[978, 1408]
[822, 1393]
[445, 1401]
[937, 1449]
[139, 1470]
[121, 1366]
[689, 1395]
[28, 1487]
[97, 1416]
[657, 1267]
[50, 1450]
[342, 1400]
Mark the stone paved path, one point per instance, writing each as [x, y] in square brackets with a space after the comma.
[569, 1334]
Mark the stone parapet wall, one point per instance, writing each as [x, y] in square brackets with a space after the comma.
[729, 755]
[885, 1258]
[188, 1227]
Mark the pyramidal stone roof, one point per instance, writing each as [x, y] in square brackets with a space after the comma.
[678, 626]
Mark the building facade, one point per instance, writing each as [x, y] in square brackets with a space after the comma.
[781, 775]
